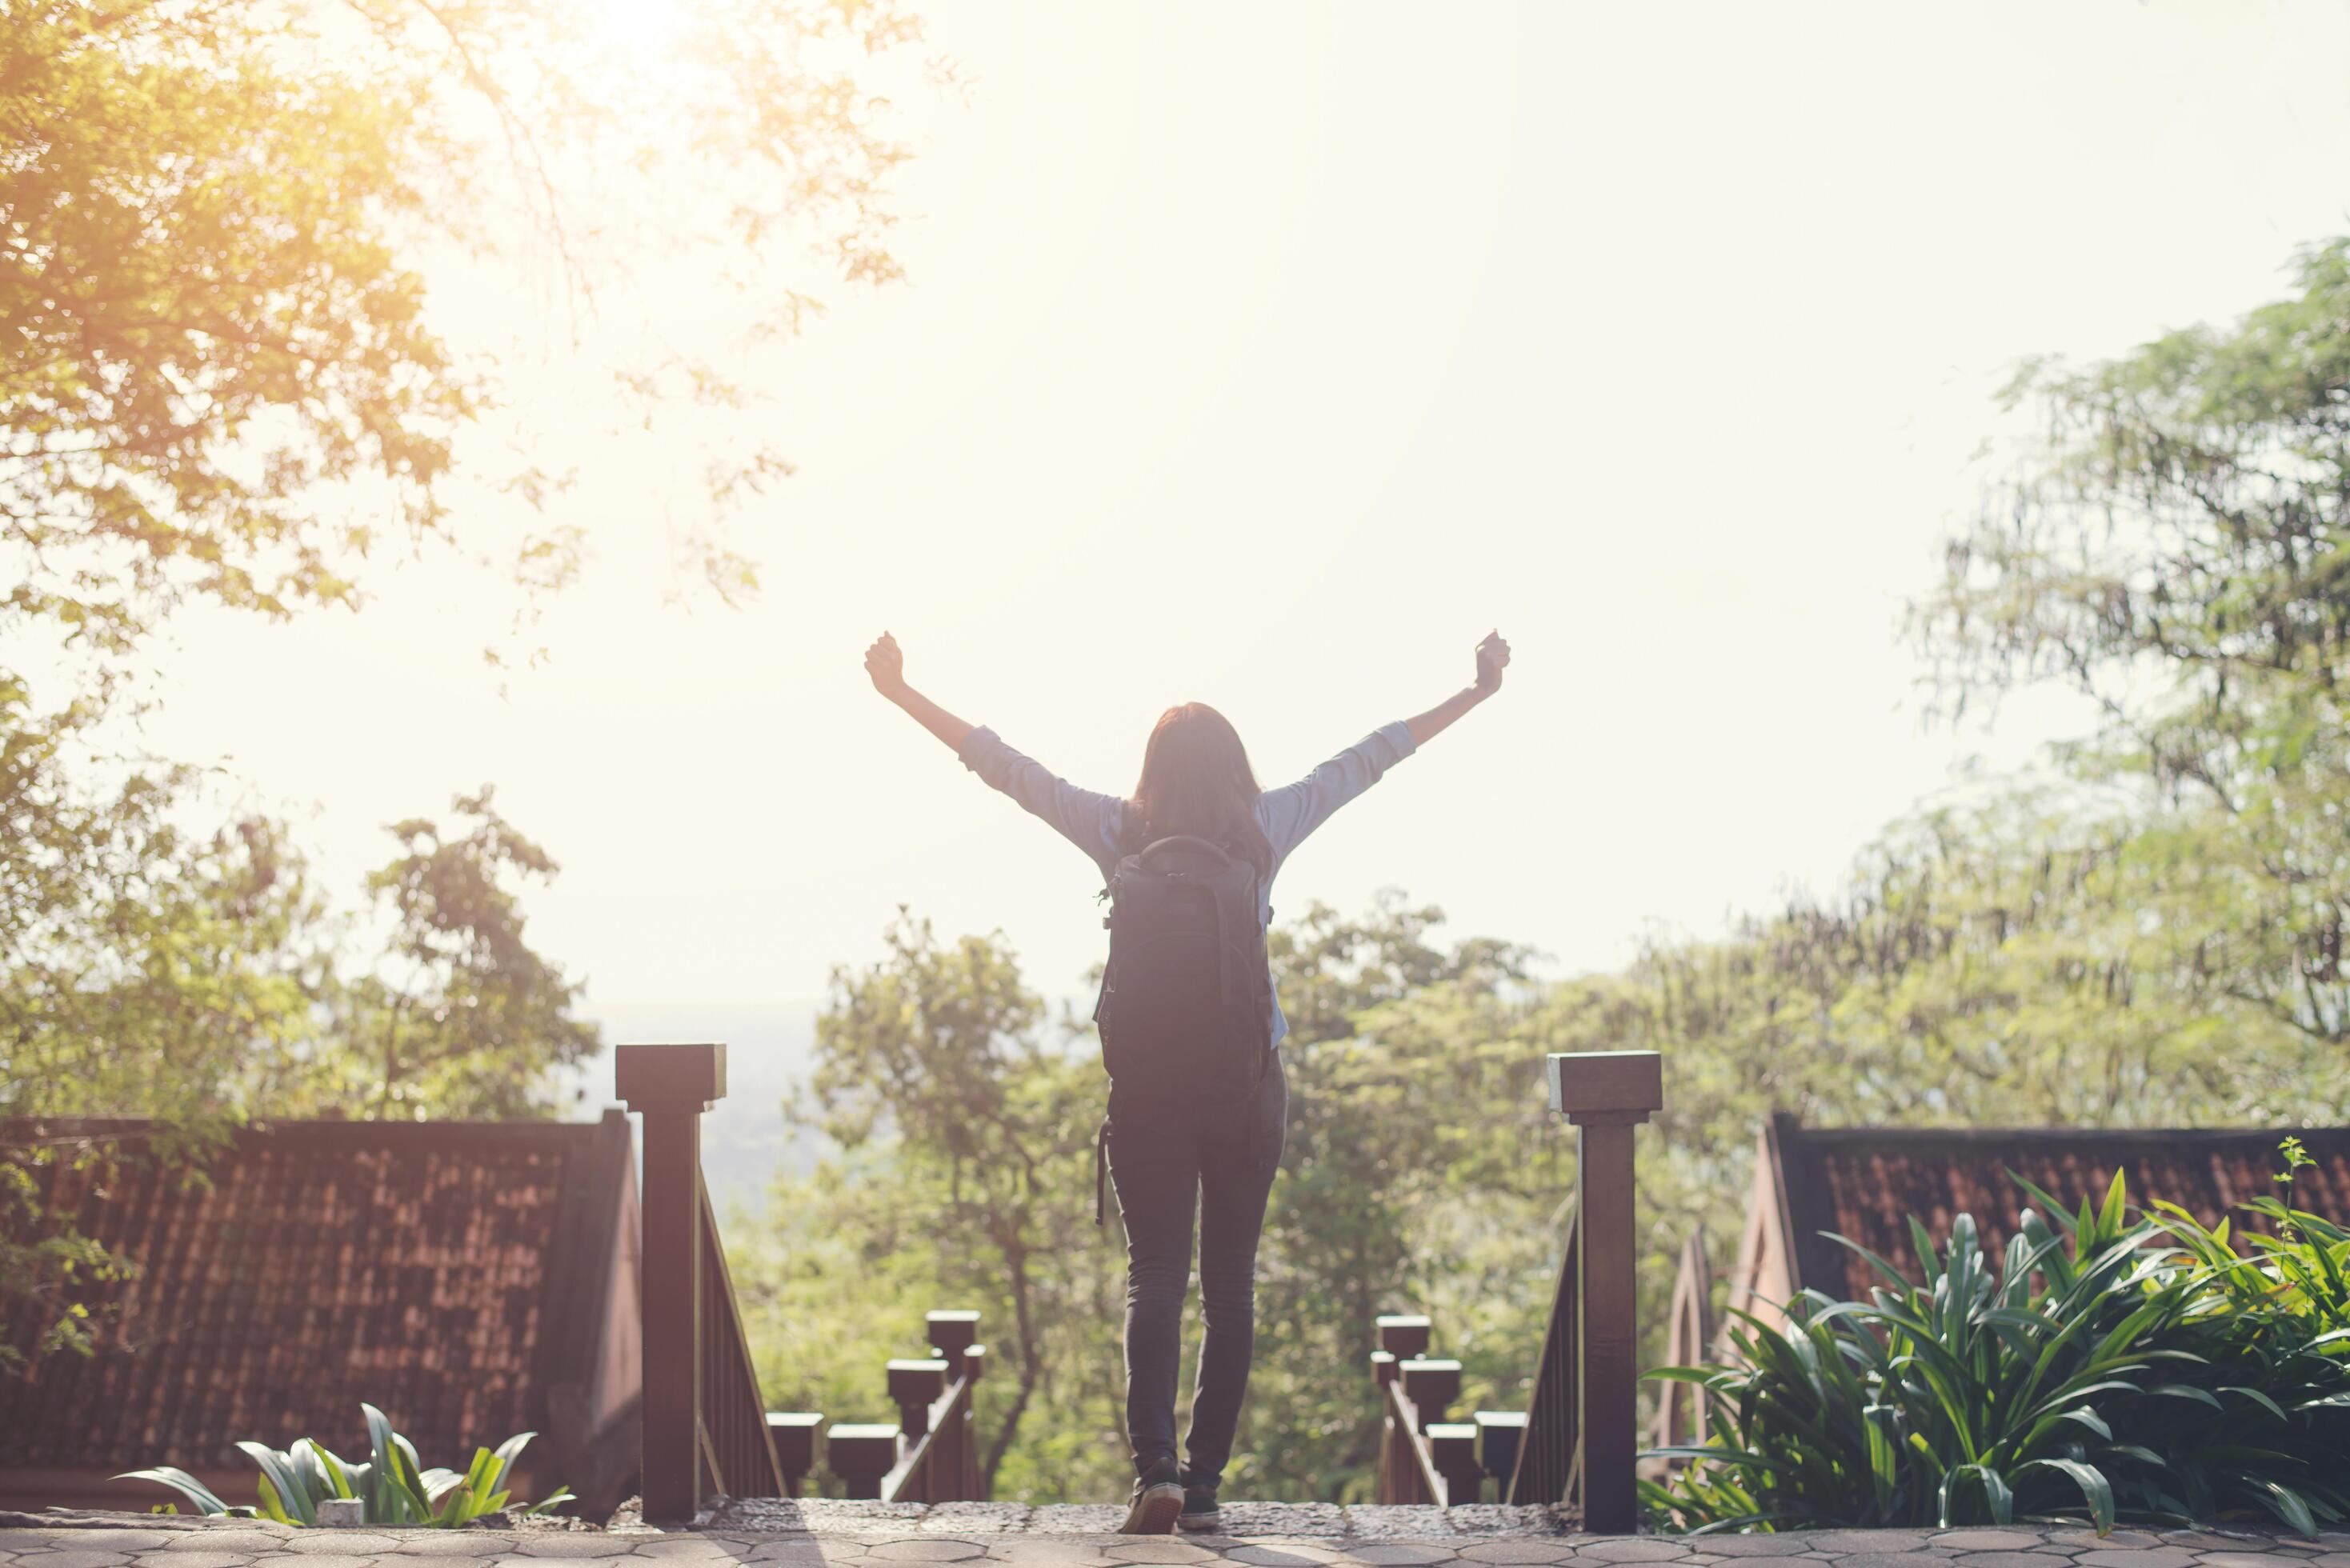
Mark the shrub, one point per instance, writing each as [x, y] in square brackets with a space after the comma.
[2118, 1366]
[391, 1486]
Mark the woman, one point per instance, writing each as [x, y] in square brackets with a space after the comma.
[1196, 781]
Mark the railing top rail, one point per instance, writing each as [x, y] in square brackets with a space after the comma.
[943, 1415]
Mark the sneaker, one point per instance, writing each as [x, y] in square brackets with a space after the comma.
[1157, 1502]
[1200, 1510]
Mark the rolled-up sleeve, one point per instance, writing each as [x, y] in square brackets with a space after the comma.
[1294, 811]
[1087, 819]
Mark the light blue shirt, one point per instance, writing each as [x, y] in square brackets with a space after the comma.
[1096, 823]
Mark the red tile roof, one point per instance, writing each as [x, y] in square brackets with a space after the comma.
[455, 1274]
[1864, 1183]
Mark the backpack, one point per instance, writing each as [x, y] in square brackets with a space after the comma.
[1186, 1008]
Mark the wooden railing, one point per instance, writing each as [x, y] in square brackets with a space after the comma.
[1424, 1456]
[931, 1454]
[707, 1432]
[1576, 1442]
[1688, 1340]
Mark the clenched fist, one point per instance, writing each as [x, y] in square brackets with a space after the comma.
[1493, 657]
[887, 666]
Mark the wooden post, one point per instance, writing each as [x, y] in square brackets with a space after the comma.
[1499, 1433]
[1606, 1094]
[1453, 1446]
[912, 1386]
[860, 1453]
[671, 1086]
[798, 1437]
[1431, 1385]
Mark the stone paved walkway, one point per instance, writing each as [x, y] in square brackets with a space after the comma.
[1260, 1536]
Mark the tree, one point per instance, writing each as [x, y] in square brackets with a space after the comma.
[2176, 546]
[968, 1130]
[220, 378]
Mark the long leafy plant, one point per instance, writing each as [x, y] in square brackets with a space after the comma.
[392, 1486]
[2118, 1365]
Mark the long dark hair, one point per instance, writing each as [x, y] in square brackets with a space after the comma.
[1196, 780]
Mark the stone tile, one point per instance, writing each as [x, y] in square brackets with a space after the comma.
[1526, 1552]
[2090, 1540]
[191, 1559]
[945, 1549]
[684, 1548]
[2042, 1559]
[108, 1537]
[1893, 1560]
[341, 1543]
[313, 1559]
[2330, 1560]
[1988, 1539]
[472, 1542]
[571, 1543]
[1157, 1549]
[1870, 1542]
[243, 1538]
[1725, 1545]
[1077, 1519]
[1400, 1555]
[2241, 1559]
[1615, 1549]
[2210, 1537]
[1288, 1554]
[977, 1517]
[2136, 1557]
[76, 1555]
[1055, 1550]
[1503, 1519]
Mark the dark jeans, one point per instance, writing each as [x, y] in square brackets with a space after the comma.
[1222, 1165]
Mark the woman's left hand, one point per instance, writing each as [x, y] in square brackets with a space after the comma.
[1493, 657]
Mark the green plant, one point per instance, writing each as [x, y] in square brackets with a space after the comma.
[2271, 1378]
[1970, 1397]
[390, 1485]
[2122, 1364]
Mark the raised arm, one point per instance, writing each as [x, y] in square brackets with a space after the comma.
[1493, 657]
[1294, 811]
[1085, 818]
[886, 663]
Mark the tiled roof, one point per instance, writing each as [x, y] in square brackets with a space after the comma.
[453, 1273]
[1864, 1183]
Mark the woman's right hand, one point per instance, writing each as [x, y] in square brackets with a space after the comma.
[887, 665]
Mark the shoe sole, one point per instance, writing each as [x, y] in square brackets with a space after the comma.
[1155, 1512]
[1200, 1523]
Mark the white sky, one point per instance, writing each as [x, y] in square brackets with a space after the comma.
[1267, 355]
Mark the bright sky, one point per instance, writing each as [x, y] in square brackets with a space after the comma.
[1267, 355]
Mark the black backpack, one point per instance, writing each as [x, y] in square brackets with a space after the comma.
[1186, 1008]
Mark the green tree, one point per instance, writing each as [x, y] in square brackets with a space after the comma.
[2175, 545]
[219, 378]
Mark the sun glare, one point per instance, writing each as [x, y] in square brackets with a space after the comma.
[640, 26]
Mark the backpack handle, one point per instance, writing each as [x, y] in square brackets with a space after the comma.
[1183, 841]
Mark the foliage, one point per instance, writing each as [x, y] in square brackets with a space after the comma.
[2102, 1371]
[966, 1178]
[389, 1486]
[196, 981]
[222, 381]
[2174, 545]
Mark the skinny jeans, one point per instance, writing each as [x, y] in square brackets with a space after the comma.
[1219, 1166]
